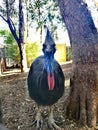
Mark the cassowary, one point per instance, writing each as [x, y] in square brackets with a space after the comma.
[46, 81]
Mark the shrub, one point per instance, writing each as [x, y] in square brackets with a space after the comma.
[32, 51]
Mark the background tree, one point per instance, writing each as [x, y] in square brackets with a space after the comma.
[11, 49]
[45, 12]
[18, 34]
[83, 100]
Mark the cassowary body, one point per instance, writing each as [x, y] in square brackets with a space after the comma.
[46, 80]
[38, 83]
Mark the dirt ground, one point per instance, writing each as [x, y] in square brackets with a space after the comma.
[19, 110]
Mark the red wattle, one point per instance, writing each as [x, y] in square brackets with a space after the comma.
[51, 81]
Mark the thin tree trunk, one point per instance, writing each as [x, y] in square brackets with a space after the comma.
[23, 61]
[27, 18]
[0, 67]
[0, 109]
[39, 22]
[21, 44]
[84, 41]
[4, 64]
[40, 35]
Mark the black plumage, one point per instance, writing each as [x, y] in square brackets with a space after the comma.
[38, 85]
[46, 80]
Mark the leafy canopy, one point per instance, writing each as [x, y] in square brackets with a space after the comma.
[11, 45]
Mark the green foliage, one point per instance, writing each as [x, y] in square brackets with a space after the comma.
[12, 8]
[68, 53]
[32, 51]
[11, 46]
[45, 12]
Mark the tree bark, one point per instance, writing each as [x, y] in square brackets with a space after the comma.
[23, 61]
[0, 66]
[21, 43]
[83, 100]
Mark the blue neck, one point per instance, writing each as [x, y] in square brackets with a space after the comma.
[48, 63]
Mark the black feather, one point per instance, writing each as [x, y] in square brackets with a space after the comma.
[38, 85]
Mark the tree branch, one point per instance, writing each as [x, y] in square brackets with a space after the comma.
[21, 22]
[10, 23]
[12, 2]
[14, 28]
[3, 18]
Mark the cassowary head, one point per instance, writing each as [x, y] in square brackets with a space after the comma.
[49, 50]
[48, 45]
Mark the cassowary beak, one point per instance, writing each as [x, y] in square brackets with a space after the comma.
[49, 44]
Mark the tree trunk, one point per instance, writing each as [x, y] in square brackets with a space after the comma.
[0, 67]
[21, 44]
[4, 64]
[83, 98]
[40, 34]
[0, 108]
[23, 61]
